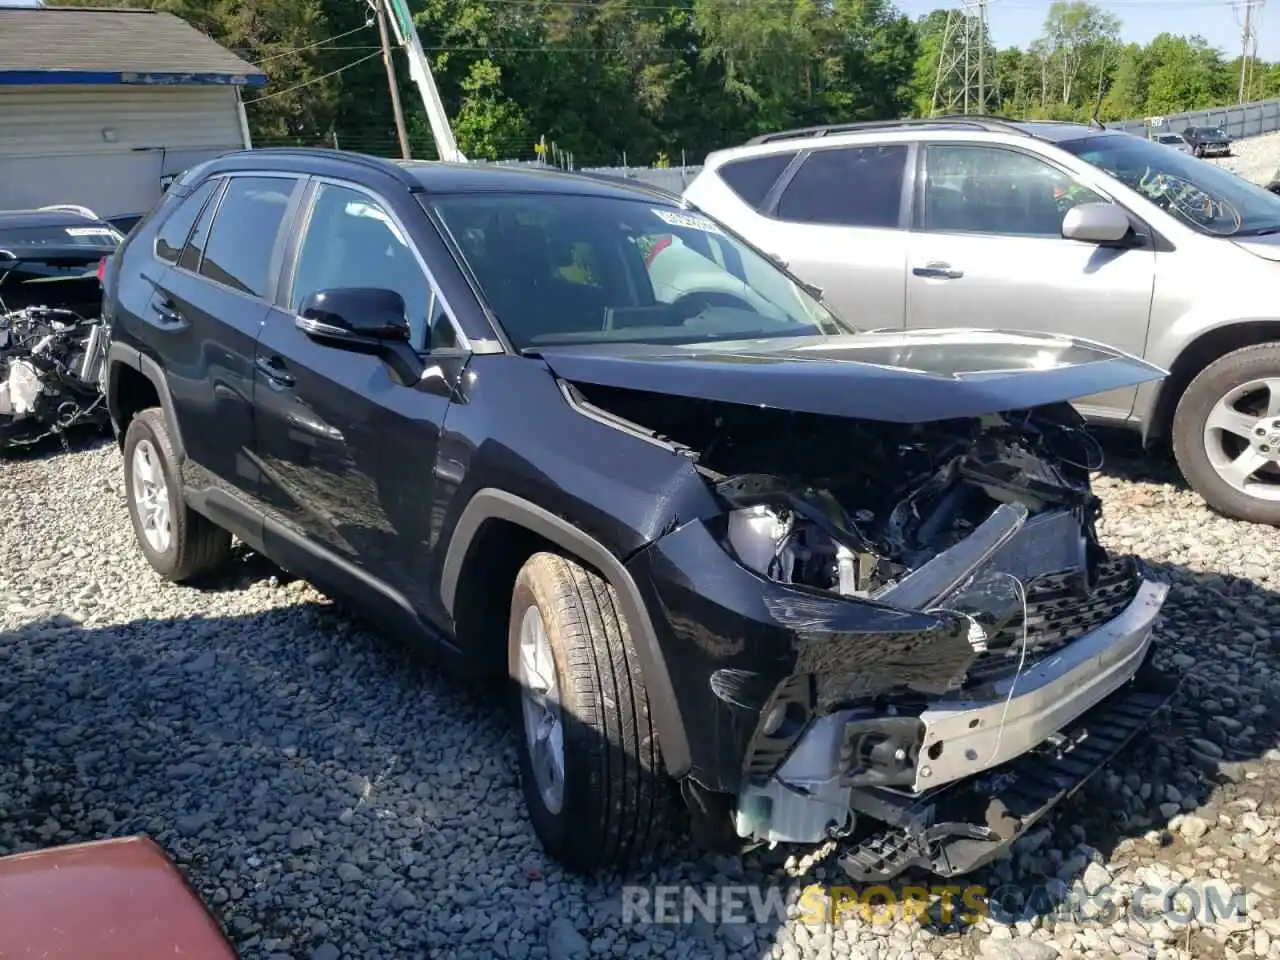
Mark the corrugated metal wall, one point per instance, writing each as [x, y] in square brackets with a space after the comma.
[107, 147]
[1246, 120]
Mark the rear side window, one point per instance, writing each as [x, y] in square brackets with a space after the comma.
[753, 178]
[175, 230]
[847, 187]
[238, 254]
[194, 250]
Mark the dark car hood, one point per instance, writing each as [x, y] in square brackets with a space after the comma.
[897, 377]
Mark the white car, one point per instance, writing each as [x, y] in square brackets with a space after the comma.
[1174, 140]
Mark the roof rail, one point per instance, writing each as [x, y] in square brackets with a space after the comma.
[381, 164]
[993, 124]
[70, 208]
[632, 182]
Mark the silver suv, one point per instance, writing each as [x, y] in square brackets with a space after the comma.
[1074, 229]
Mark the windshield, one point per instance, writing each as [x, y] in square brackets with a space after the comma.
[1211, 133]
[563, 269]
[1202, 195]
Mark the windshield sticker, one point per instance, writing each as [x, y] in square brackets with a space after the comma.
[88, 232]
[686, 220]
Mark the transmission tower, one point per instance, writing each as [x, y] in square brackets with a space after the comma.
[960, 83]
[1248, 13]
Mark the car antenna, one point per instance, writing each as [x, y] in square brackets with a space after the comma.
[1097, 104]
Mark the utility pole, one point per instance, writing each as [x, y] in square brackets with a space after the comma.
[1248, 43]
[982, 56]
[401, 132]
[944, 68]
[961, 77]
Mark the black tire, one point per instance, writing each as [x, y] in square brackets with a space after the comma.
[617, 797]
[196, 545]
[1212, 384]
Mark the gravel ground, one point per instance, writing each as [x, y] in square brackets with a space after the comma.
[1255, 158]
[329, 797]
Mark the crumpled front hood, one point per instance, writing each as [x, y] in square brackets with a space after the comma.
[897, 377]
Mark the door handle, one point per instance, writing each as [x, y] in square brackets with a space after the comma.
[273, 369]
[167, 311]
[936, 270]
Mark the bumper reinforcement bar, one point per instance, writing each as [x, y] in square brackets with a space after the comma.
[1002, 804]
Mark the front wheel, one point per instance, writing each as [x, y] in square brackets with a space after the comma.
[1226, 434]
[590, 767]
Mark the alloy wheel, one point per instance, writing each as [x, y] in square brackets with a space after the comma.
[151, 497]
[540, 707]
[1242, 438]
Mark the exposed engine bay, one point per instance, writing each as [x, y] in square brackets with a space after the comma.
[853, 505]
[50, 363]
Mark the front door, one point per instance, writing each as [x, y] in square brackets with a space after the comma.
[348, 452]
[987, 251]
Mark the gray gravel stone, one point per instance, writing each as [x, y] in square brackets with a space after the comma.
[329, 798]
[564, 942]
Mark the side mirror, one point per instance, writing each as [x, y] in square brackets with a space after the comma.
[365, 320]
[359, 316]
[1100, 223]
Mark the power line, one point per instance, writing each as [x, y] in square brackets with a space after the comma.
[307, 83]
[312, 46]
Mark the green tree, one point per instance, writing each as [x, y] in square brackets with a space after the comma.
[1076, 32]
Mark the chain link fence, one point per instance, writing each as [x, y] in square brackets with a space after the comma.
[1246, 120]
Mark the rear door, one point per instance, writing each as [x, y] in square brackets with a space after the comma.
[839, 222]
[205, 315]
[987, 251]
[348, 452]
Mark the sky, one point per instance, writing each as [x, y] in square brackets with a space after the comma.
[1018, 22]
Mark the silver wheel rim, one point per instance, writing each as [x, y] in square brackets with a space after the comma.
[540, 703]
[151, 497]
[1242, 438]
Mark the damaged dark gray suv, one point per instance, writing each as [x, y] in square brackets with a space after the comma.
[808, 584]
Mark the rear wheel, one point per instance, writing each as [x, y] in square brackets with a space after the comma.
[589, 761]
[1226, 434]
[179, 543]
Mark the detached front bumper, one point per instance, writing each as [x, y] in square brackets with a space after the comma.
[960, 828]
[817, 793]
[964, 738]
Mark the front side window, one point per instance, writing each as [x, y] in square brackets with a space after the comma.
[1204, 196]
[352, 241]
[238, 254]
[847, 187]
[173, 233]
[979, 189]
[561, 269]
